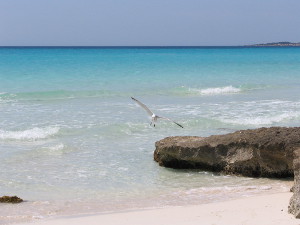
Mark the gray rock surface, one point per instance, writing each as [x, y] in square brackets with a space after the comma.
[263, 152]
[294, 206]
[266, 152]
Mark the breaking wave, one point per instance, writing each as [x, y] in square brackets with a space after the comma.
[221, 90]
[264, 120]
[177, 91]
[225, 90]
[30, 134]
[218, 90]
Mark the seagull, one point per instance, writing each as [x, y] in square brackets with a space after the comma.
[153, 116]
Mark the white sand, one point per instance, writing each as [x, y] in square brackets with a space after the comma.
[265, 210]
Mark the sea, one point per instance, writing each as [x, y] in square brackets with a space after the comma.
[73, 142]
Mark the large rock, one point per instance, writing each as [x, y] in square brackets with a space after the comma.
[265, 152]
[294, 206]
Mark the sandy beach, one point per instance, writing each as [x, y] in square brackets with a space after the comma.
[266, 209]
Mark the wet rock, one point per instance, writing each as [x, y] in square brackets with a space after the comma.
[10, 199]
[263, 152]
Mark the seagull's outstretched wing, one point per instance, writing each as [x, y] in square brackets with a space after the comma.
[165, 118]
[143, 106]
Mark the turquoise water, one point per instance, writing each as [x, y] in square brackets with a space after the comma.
[72, 140]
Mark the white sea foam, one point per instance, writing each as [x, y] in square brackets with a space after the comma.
[57, 147]
[55, 150]
[263, 120]
[217, 90]
[1, 99]
[30, 134]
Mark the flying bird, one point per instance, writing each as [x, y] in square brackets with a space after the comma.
[153, 116]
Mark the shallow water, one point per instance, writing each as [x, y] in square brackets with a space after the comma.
[72, 140]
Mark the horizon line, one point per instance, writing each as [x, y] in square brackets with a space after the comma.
[137, 46]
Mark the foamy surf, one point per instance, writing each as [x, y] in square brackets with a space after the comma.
[54, 150]
[263, 120]
[4, 98]
[191, 91]
[30, 134]
[218, 90]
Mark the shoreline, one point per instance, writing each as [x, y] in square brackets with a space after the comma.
[263, 209]
[39, 211]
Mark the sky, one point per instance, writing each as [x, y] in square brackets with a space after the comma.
[147, 22]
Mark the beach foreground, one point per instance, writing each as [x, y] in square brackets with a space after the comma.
[265, 209]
